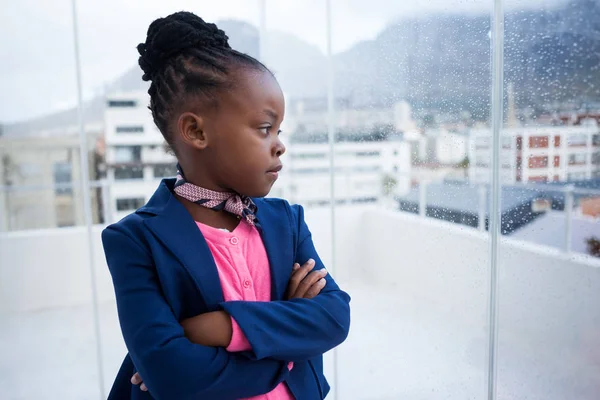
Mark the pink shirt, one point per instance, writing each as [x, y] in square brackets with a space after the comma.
[244, 273]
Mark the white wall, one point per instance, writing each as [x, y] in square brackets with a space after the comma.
[47, 269]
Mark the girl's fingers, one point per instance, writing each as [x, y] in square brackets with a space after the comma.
[315, 289]
[309, 281]
[143, 387]
[136, 379]
[298, 276]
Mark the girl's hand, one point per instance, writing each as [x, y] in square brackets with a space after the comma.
[306, 283]
[136, 379]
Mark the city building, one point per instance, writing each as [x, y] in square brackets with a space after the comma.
[539, 153]
[311, 115]
[364, 172]
[39, 179]
[136, 160]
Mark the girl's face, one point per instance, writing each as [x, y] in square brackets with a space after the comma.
[242, 147]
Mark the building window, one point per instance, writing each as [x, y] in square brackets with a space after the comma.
[519, 142]
[576, 176]
[577, 159]
[304, 156]
[130, 204]
[128, 154]
[122, 173]
[556, 161]
[164, 170]
[556, 141]
[596, 158]
[538, 162]
[62, 175]
[577, 140]
[556, 178]
[122, 103]
[130, 129]
[538, 142]
[367, 153]
[596, 140]
[538, 179]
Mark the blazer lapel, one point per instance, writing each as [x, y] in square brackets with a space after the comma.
[175, 228]
[275, 235]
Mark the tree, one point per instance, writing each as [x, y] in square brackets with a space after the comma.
[593, 246]
[389, 184]
[464, 163]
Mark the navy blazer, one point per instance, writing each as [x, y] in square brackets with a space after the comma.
[163, 272]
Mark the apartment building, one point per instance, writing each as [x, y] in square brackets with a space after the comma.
[539, 154]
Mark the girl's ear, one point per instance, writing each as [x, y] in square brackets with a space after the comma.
[190, 129]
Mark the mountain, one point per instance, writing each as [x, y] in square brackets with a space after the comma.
[442, 62]
[438, 62]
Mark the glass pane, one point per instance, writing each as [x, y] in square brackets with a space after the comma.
[549, 276]
[407, 95]
[133, 156]
[45, 294]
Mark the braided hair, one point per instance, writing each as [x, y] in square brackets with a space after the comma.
[184, 55]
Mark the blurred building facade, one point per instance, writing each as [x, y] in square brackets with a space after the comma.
[136, 160]
[39, 176]
[539, 153]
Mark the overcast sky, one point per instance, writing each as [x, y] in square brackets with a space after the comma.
[36, 49]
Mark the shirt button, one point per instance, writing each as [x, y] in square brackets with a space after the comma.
[234, 240]
[247, 284]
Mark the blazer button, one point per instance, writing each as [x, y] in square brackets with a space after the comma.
[247, 284]
[234, 240]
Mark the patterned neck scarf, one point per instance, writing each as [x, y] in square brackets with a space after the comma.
[234, 203]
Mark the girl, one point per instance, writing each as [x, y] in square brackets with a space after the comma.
[212, 300]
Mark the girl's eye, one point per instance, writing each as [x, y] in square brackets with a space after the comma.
[266, 130]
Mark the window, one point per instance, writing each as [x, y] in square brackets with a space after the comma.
[62, 176]
[482, 142]
[576, 176]
[577, 140]
[130, 129]
[596, 140]
[538, 179]
[557, 141]
[367, 153]
[164, 170]
[127, 154]
[577, 159]
[422, 67]
[538, 162]
[130, 204]
[538, 142]
[125, 172]
[596, 158]
[30, 170]
[556, 161]
[308, 156]
[122, 103]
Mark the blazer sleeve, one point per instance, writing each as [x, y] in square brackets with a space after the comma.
[173, 367]
[297, 329]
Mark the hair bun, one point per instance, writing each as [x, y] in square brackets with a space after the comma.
[173, 35]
